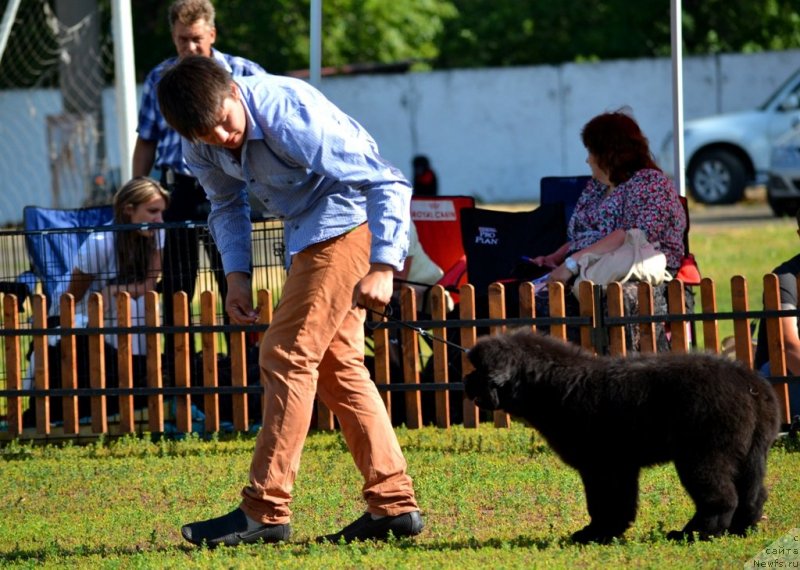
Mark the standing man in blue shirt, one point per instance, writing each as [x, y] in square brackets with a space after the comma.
[193, 33]
[346, 220]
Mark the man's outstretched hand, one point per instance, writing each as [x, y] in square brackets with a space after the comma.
[239, 300]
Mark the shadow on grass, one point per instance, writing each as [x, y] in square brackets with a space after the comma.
[54, 552]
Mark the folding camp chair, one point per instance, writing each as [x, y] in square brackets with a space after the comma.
[438, 223]
[562, 189]
[53, 238]
[496, 242]
[689, 273]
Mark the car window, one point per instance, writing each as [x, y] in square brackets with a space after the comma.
[794, 78]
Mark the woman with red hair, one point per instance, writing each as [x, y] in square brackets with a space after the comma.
[627, 191]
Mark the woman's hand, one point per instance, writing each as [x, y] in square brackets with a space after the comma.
[552, 261]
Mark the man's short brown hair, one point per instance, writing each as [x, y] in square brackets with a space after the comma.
[187, 12]
[191, 93]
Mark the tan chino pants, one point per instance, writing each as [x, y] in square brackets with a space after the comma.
[315, 344]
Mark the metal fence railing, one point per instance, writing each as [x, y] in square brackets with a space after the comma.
[40, 261]
[133, 395]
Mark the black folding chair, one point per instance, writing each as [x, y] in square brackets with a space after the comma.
[498, 244]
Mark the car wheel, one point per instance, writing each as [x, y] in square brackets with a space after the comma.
[717, 177]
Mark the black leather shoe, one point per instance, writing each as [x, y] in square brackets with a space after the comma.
[367, 528]
[231, 529]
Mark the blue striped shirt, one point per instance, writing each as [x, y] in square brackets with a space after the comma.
[309, 164]
[153, 127]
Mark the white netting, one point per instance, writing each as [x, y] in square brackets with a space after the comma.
[55, 101]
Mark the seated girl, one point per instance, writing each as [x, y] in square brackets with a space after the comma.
[110, 262]
[123, 261]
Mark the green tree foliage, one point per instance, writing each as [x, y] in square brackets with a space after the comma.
[275, 33]
[512, 32]
[475, 33]
[439, 33]
[358, 31]
[713, 26]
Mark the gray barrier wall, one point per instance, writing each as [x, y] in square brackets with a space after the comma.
[490, 133]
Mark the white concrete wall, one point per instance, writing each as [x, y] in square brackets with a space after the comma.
[490, 133]
[494, 133]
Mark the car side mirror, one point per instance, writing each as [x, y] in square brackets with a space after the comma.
[791, 103]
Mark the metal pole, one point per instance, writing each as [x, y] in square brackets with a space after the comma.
[5, 26]
[315, 48]
[676, 34]
[125, 83]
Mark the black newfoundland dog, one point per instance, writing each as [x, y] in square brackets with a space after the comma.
[608, 417]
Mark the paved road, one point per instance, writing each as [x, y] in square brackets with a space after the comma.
[736, 214]
[752, 210]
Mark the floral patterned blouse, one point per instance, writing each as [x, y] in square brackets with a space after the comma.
[647, 201]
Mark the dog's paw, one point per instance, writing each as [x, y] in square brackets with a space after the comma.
[691, 536]
[588, 534]
[680, 536]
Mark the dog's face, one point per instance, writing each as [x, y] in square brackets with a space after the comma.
[492, 384]
[511, 368]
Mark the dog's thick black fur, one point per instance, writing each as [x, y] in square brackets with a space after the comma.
[608, 417]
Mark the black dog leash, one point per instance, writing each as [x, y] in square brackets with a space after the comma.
[387, 314]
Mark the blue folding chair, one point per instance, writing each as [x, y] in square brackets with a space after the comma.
[562, 190]
[52, 239]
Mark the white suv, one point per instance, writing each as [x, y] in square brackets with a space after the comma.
[725, 153]
[783, 186]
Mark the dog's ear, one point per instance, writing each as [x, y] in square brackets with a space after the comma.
[474, 354]
[487, 352]
[477, 383]
[494, 369]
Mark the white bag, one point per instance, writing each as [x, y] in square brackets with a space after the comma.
[635, 260]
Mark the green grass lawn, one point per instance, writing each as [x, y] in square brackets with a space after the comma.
[491, 498]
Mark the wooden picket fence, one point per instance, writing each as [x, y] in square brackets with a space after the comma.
[448, 391]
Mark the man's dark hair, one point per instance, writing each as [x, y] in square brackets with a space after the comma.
[191, 93]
